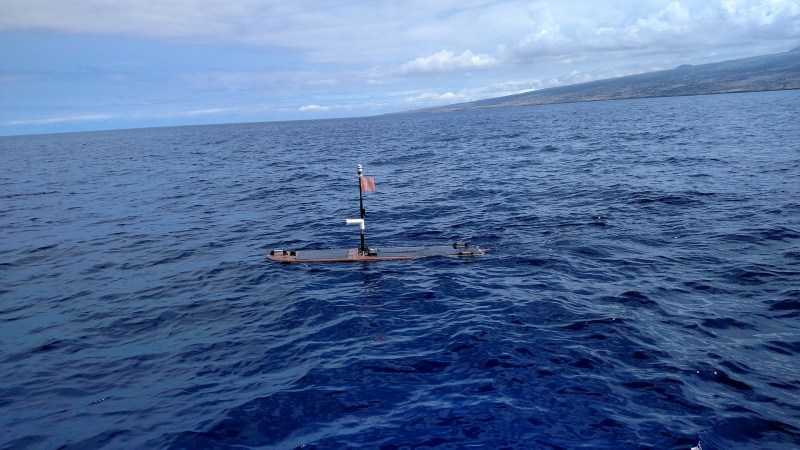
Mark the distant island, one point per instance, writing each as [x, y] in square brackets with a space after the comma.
[779, 71]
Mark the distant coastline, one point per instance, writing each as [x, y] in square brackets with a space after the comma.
[774, 72]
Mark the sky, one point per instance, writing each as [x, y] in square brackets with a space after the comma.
[84, 65]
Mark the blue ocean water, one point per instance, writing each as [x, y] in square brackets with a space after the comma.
[642, 288]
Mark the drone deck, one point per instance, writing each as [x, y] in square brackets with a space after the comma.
[375, 254]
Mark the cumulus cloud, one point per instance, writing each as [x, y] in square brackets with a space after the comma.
[314, 108]
[447, 61]
[429, 98]
[547, 41]
[677, 25]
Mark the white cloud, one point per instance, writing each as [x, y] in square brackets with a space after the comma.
[62, 119]
[447, 61]
[670, 26]
[130, 115]
[424, 99]
[773, 17]
[202, 112]
[547, 41]
[314, 108]
[319, 29]
[386, 33]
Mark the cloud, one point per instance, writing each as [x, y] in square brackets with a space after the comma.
[62, 119]
[122, 17]
[435, 98]
[285, 80]
[314, 108]
[547, 41]
[202, 112]
[673, 26]
[14, 78]
[777, 18]
[676, 26]
[447, 61]
[130, 115]
[386, 33]
[432, 98]
[319, 29]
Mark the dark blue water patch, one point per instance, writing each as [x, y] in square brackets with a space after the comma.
[725, 323]
[640, 289]
[31, 441]
[634, 299]
[647, 198]
[749, 275]
[760, 235]
[788, 305]
[269, 421]
[706, 287]
[783, 347]
[718, 376]
[743, 432]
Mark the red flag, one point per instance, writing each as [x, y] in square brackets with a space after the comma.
[367, 184]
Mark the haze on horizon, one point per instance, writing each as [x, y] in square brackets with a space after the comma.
[92, 65]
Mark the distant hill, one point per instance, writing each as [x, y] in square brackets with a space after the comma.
[773, 72]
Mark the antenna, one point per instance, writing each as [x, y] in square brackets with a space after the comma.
[360, 193]
[363, 247]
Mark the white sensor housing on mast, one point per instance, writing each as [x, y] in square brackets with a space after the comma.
[359, 222]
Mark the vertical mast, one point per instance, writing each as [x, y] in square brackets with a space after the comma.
[363, 247]
[360, 193]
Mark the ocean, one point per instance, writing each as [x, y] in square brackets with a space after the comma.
[641, 287]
